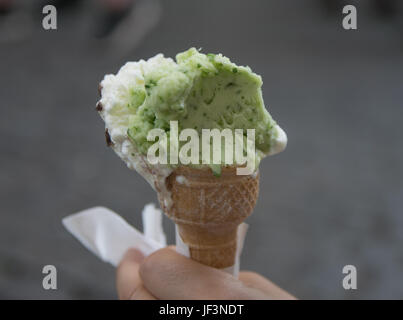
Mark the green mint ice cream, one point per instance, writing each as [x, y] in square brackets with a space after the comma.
[198, 91]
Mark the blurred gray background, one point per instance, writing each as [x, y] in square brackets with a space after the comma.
[333, 198]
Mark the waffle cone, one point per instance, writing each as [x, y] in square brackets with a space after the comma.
[208, 210]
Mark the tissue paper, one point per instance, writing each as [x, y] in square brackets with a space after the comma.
[109, 236]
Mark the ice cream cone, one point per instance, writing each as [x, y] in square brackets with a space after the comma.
[208, 210]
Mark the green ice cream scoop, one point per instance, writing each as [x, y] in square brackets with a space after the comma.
[199, 91]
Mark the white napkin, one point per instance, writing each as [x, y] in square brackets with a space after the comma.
[109, 236]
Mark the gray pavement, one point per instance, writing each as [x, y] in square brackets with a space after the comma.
[333, 198]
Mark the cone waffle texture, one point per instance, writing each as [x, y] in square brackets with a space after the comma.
[208, 210]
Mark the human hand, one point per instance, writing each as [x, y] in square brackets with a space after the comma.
[168, 275]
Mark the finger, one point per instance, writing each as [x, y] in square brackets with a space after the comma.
[254, 280]
[141, 293]
[169, 275]
[128, 282]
